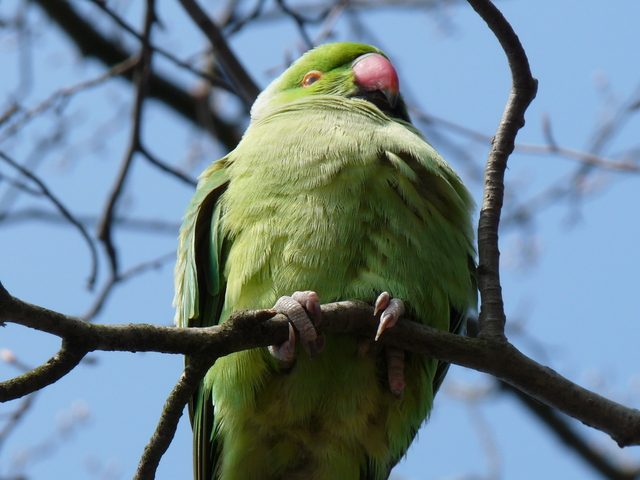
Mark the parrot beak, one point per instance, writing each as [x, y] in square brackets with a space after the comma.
[373, 72]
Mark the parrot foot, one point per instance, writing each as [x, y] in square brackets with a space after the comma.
[392, 310]
[298, 308]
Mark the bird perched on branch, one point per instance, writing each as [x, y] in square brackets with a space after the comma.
[331, 195]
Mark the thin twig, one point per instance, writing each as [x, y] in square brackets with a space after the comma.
[108, 287]
[64, 212]
[216, 81]
[124, 223]
[62, 95]
[551, 148]
[299, 20]
[570, 437]
[332, 17]
[23, 187]
[168, 168]
[16, 416]
[9, 112]
[241, 23]
[142, 87]
[171, 413]
[92, 43]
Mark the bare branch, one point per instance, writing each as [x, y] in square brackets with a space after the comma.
[252, 329]
[246, 88]
[551, 148]
[171, 413]
[64, 212]
[237, 26]
[523, 91]
[299, 20]
[565, 431]
[608, 129]
[142, 87]
[108, 287]
[167, 168]
[10, 112]
[332, 17]
[53, 370]
[91, 43]
[214, 80]
[133, 224]
[64, 94]
[16, 416]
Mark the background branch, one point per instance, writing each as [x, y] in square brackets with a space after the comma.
[135, 145]
[245, 87]
[93, 44]
[64, 212]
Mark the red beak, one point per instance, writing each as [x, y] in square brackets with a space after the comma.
[374, 72]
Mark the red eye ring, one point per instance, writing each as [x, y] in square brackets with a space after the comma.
[310, 78]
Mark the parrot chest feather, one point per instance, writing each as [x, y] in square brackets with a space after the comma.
[349, 213]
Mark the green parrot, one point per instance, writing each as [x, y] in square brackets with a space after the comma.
[331, 195]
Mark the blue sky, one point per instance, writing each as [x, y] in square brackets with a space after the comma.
[574, 308]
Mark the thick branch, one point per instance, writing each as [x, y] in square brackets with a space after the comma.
[251, 329]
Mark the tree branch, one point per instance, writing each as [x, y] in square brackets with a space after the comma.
[260, 328]
[214, 80]
[570, 437]
[246, 88]
[92, 44]
[50, 372]
[64, 212]
[135, 144]
[523, 91]
[171, 413]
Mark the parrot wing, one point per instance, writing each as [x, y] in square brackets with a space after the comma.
[200, 288]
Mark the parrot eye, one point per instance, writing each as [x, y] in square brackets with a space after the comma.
[312, 77]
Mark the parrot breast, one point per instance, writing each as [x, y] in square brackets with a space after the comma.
[330, 195]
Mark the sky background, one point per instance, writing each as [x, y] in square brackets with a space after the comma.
[570, 276]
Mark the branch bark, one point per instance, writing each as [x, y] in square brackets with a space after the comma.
[171, 413]
[523, 91]
[260, 328]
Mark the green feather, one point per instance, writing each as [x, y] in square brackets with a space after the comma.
[325, 192]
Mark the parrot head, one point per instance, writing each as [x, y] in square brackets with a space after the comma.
[350, 70]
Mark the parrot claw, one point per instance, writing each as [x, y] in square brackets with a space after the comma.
[382, 302]
[392, 309]
[294, 308]
[285, 353]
